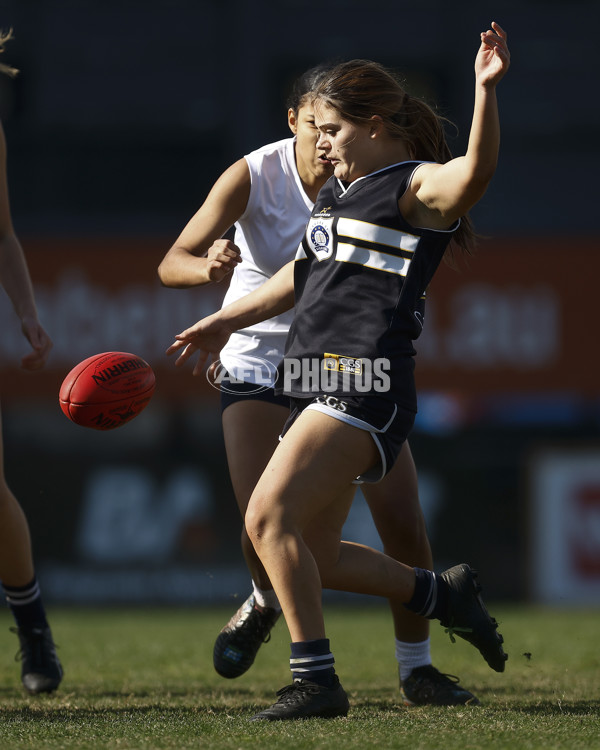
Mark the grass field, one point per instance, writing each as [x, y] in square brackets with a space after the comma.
[144, 679]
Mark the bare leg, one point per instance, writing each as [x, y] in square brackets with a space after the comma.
[396, 511]
[41, 671]
[308, 478]
[310, 475]
[251, 430]
[16, 563]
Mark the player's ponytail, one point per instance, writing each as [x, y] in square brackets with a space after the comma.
[425, 132]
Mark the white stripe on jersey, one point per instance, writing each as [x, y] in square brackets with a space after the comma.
[373, 233]
[362, 230]
[372, 259]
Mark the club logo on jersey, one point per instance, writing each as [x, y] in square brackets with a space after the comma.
[319, 236]
[338, 363]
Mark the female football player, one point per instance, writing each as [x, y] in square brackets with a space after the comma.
[40, 668]
[268, 196]
[377, 233]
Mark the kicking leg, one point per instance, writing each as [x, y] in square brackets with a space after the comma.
[396, 510]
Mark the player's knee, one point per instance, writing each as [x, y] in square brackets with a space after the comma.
[259, 525]
[267, 523]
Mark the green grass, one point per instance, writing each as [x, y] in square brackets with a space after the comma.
[144, 679]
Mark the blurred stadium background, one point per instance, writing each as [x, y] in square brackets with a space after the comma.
[121, 119]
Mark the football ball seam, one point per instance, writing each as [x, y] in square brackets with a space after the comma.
[107, 390]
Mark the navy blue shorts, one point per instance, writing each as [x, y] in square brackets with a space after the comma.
[234, 391]
[388, 423]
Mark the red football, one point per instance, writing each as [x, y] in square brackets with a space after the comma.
[107, 390]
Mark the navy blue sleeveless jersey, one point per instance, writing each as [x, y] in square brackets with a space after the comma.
[360, 279]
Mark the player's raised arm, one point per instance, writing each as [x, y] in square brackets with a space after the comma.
[15, 278]
[209, 335]
[200, 255]
[445, 192]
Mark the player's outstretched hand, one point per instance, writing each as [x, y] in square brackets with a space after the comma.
[40, 342]
[493, 58]
[207, 337]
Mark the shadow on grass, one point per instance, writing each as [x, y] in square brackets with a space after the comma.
[60, 714]
[88, 703]
[560, 708]
[541, 700]
[162, 693]
[91, 694]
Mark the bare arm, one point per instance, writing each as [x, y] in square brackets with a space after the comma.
[442, 193]
[209, 335]
[15, 278]
[199, 255]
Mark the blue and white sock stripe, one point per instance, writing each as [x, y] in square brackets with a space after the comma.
[312, 663]
[431, 600]
[21, 597]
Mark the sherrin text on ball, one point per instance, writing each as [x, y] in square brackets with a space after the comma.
[107, 390]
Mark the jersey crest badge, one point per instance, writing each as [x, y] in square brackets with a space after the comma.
[319, 237]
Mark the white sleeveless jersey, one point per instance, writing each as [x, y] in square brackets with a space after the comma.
[268, 235]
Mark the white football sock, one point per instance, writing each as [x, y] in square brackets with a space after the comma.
[412, 655]
[266, 598]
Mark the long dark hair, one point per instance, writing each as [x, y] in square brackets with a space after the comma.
[305, 85]
[359, 89]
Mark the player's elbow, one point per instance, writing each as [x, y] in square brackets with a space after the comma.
[166, 276]
[163, 276]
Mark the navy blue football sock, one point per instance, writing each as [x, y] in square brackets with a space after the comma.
[430, 597]
[26, 606]
[312, 660]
